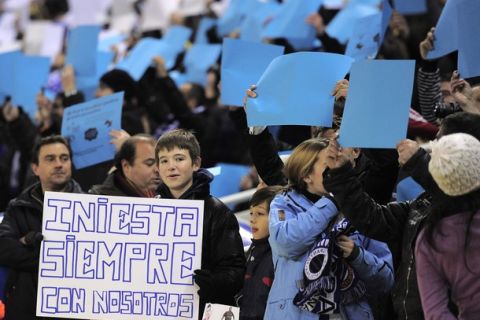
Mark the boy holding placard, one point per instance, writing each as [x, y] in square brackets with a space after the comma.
[177, 155]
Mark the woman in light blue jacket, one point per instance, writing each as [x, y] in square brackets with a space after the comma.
[305, 243]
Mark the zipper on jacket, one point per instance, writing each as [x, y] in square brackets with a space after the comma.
[406, 290]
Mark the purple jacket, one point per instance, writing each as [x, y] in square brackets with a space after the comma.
[443, 269]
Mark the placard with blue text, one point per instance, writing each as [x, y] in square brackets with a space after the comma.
[106, 257]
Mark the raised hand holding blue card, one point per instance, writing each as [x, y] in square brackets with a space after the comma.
[296, 89]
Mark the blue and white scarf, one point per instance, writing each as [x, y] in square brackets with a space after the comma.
[329, 280]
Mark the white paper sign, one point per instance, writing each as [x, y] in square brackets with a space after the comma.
[106, 257]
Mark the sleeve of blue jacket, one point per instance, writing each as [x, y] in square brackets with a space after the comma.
[292, 232]
[374, 265]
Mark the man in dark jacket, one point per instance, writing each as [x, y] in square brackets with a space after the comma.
[177, 154]
[396, 223]
[135, 173]
[20, 230]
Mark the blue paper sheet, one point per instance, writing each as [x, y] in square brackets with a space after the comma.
[446, 32]
[243, 63]
[341, 27]
[107, 43]
[89, 84]
[31, 74]
[468, 45]
[88, 124]
[232, 18]
[254, 23]
[7, 65]
[204, 25]
[82, 50]
[290, 20]
[411, 7]
[202, 56]
[228, 181]
[176, 37]
[378, 102]
[386, 15]
[142, 54]
[408, 189]
[365, 40]
[296, 89]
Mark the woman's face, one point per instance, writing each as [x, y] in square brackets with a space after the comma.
[314, 180]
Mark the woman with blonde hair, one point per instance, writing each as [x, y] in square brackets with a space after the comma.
[323, 268]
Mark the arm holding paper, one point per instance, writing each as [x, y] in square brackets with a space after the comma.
[428, 80]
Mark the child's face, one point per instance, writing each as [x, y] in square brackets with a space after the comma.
[259, 220]
[176, 169]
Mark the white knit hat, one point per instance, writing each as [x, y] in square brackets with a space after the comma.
[455, 163]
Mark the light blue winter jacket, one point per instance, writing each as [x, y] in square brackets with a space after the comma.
[295, 223]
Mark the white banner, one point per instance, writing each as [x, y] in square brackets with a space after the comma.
[106, 257]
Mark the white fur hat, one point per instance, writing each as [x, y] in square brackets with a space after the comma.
[455, 163]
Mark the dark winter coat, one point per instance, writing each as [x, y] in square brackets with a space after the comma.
[23, 215]
[396, 223]
[259, 274]
[222, 247]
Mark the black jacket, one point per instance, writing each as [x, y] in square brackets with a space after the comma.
[222, 248]
[115, 185]
[259, 275]
[396, 223]
[23, 214]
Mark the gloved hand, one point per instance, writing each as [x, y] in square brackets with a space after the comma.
[204, 279]
[32, 239]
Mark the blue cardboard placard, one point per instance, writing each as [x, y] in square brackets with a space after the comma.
[107, 43]
[290, 20]
[88, 124]
[296, 89]
[142, 54]
[202, 56]
[228, 181]
[88, 84]
[82, 49]
[446, 32]
[7, 65]
[342, 25]
[408, 189]
[31, 74]
[468, 48]
[254, 23]
[366, 37]
[232, 18]
[411, 7]
[176, 37]
[387, 12]
[204, 25]
[243, 63]
[378, 102]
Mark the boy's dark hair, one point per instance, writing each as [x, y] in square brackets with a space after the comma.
[128, 149]
[265, 195]
[49, 140]
[180, 138]
[463, 122]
